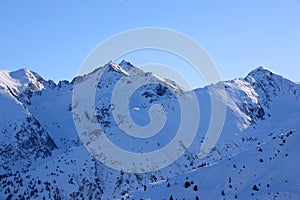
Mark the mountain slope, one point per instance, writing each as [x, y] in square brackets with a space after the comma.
[255, 157]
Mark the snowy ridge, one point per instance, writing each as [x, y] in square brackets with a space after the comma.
[21, 80]
[256, 156]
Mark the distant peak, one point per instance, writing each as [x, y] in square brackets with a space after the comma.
[260, 69]
[22, 71]
[125, 62]
[117, 68]
[123, 67]
[26, 75]
[21, 74]
[266, 78]
[126, 65]
[260, 72]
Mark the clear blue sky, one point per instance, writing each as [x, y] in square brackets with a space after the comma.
[54, 37]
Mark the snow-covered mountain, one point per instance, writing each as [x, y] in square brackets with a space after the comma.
[256, 156]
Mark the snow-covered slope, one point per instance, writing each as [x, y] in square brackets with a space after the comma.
[255, 158]
[23, 139]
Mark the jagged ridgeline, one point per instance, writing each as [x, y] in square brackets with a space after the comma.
[256, 156]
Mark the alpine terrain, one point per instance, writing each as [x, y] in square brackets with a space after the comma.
[42, 155]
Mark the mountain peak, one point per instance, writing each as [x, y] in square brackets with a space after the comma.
[260, 74]
[21, 74]
[125, 63]
[21, 80]
[123, 67]
[260, 71]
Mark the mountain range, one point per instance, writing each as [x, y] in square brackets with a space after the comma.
[43, 157]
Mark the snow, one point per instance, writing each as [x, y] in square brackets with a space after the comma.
[256, 156]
